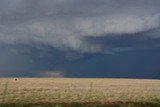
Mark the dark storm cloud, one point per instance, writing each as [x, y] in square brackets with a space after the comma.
[54, 35]
[64, 24]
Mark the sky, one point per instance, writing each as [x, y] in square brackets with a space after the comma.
[80, 38]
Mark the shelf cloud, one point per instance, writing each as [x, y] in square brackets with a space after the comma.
[49, 36]
[64, 25]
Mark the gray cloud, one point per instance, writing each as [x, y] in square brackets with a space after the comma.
[52, 74]
[64, 25]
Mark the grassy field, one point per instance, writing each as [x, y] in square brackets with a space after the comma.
[67, 92]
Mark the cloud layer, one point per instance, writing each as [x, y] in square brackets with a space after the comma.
[66, 38]
[65, 25]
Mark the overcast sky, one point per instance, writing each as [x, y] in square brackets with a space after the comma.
[80, 38]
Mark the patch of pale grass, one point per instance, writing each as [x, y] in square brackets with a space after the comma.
[78, 90]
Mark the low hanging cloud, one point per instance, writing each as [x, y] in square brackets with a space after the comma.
[52, 74]
[65, 25]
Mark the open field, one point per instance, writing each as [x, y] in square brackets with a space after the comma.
[67, 90]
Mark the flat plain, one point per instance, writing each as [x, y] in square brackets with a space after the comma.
[70, 90]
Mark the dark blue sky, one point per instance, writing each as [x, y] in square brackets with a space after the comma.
[76, 38]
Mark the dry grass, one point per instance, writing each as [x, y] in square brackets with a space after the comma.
[35, 90]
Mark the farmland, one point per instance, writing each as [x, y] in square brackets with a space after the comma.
[72, 90]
